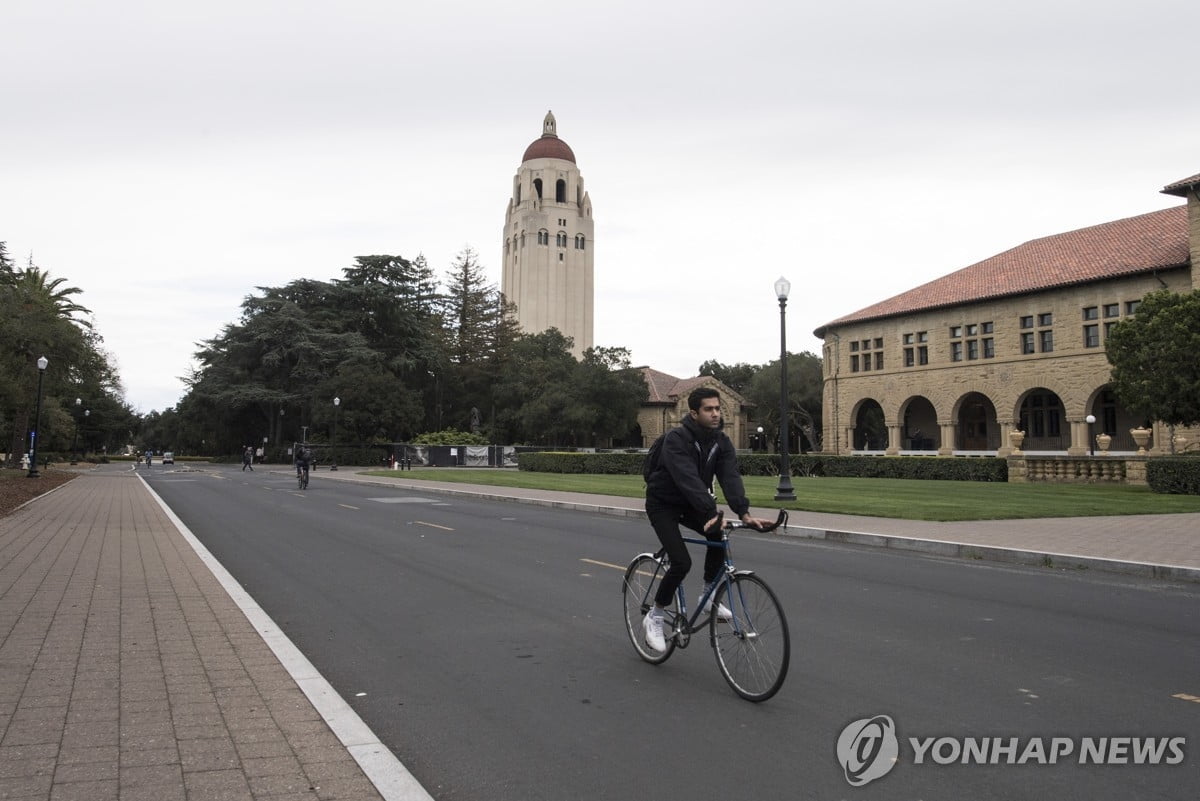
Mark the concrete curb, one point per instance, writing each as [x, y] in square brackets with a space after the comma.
[958, 550]
[994, 553]
[391, 778]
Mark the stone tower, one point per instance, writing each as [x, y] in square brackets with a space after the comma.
[548, 242]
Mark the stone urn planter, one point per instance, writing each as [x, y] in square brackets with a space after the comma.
[1015, 438]
[1141, 436]
[1102, 442]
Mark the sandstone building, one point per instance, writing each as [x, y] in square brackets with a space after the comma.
[1013, 343]
[666, 406]
[549, 242]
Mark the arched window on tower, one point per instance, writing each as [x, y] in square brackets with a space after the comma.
[518, 203]
[537, 187]
[561, 239]
[522, 239]
[560, 191]
[580, 242]
[543, 237]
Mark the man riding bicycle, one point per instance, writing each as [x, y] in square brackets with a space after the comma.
[678, 491]
[303, 460]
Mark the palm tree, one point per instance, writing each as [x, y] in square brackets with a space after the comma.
[33, 284]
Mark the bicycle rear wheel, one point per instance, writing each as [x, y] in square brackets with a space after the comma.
[642, 578]
[753, 649]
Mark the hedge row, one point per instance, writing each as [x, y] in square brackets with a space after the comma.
[1175, 476]
[920, 467]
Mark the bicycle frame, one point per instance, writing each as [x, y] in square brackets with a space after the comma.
[683, 626]
[751, 642]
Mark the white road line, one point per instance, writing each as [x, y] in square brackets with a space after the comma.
[386, 772]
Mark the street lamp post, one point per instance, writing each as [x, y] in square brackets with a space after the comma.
[784, 491]
[42, 363]
[75, 436]
[336, 403]
[1091, 418]
[759, 442]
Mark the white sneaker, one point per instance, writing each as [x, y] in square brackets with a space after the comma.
[652, 625]
[723, 612]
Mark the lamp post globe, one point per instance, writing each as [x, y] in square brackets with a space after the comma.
[1091, 418]
[336, 403]
[42, 364]
[75, 436]
[784, 491]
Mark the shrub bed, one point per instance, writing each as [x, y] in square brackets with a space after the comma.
[1174, 475]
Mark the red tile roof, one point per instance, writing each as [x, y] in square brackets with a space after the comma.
[667, 389]
[549, 147]
[1181, 188]
[1125, 247]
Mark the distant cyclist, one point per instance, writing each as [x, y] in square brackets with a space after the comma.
[303, 459]
[678, 491]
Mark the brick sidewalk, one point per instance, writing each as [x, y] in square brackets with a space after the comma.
[127, 672]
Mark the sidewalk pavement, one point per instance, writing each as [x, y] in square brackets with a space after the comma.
[133, 667]
[129, 670]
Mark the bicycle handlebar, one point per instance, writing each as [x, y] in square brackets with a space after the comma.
[730, 525]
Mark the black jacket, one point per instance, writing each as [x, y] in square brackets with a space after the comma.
[691, 457]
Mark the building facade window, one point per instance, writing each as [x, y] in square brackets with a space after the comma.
[1091, 312]
[970, 346]
[1046, 339]
[543, 237]
[914, 355]
[1091, 336]
[1027, 343]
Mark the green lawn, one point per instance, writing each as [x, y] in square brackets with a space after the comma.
[875, 497]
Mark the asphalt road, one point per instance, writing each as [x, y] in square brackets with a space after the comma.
[483, 642]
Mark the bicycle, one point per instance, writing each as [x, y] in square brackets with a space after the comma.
[302, 476]
[753, 649]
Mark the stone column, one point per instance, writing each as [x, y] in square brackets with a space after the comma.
[1079, 439]
[1006, 428]
[946, 448]
[893, 448]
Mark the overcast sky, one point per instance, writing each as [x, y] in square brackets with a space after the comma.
[168, 159]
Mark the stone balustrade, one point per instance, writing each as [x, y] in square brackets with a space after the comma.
[1078, 469]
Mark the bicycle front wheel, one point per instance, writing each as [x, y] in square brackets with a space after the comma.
[642, 578]
[754, 648]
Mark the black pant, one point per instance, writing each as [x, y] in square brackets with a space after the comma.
[666, 524]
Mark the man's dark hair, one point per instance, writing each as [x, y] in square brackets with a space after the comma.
[699, 394]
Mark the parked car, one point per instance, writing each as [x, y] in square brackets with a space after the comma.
[168, 457]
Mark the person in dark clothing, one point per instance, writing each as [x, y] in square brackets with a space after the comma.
[247, 459]
[679, 492]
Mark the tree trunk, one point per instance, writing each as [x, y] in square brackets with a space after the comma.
[18, 444]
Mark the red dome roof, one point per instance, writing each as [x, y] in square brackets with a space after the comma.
[549, 147]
